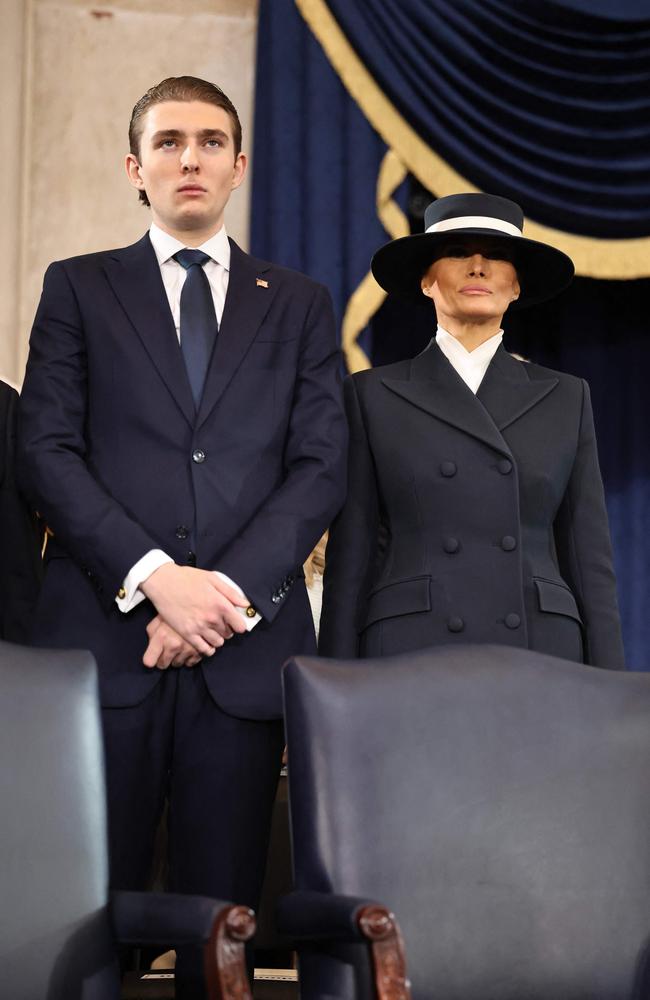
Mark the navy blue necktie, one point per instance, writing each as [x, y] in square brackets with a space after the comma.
[199, 326]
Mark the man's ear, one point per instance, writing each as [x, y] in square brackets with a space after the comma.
[132, 167]
[239, 170]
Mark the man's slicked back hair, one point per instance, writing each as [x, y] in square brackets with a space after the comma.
[180, 88]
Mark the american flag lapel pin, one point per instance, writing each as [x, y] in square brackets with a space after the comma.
[261, 283]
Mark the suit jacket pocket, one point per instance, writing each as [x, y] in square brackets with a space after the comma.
[556, 599]
[406, 597]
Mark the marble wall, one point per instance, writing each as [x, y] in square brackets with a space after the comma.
[71, 71]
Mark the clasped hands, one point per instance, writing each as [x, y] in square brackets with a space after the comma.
[197, 613]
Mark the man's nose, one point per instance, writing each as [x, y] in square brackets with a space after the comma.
[189, 159]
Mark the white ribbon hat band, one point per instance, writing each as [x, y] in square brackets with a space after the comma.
[474, 222]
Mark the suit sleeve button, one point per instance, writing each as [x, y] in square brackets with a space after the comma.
[455, 624]
[512, 620]
[198, 456]
[275, 598]
[451, 545]
[508, 543]
[448, 469]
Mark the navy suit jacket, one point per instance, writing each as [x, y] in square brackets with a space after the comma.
[471, 518]
[109, 442]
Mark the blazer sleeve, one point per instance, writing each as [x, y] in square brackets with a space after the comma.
[52, 461]
[584, 550]
[20, 555]
[353, 543]
[268, 553]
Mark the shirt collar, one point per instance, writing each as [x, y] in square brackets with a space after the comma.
[451, 345]
[165, 246]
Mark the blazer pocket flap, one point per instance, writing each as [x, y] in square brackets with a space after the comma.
[556, 599]
[405, 597]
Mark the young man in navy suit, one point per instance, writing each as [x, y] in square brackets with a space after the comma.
[182, 434]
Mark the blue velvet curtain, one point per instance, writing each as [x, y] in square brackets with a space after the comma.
[545, 102]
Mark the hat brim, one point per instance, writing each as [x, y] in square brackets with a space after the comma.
[543, 271]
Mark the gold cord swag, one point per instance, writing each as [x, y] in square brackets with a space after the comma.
[593, 258]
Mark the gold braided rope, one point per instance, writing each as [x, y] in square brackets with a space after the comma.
[368, 296]
[594, 258]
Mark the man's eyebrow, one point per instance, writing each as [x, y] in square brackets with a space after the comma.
[204, 133]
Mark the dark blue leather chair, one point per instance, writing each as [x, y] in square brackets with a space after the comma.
[495, 800]
[58, 929]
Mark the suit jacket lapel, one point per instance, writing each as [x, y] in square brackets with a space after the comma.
[247, 303]
[435, 387]
[507, 391]
[135, 277]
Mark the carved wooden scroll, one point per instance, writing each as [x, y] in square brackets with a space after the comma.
[225, 962]
[379, 926]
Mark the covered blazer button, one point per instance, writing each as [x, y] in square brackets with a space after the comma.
[512, 620]
[508, 543]
[198, 456]
[504, 466]
[451, 545]
[250, 611]
[455, 624]
[448, 469]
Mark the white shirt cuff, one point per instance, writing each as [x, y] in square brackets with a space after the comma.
[249, 622]
[142, 570]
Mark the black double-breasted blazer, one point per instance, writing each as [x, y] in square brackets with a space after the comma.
[115, 456]
[471, 518]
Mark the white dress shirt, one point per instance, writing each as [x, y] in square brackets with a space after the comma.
[470, 365]
[217, 271]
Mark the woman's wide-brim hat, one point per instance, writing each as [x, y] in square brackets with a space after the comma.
[542, 270]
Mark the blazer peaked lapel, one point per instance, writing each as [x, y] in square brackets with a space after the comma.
[247, 303]
[435, 387]
[507, 391]
[135, 277]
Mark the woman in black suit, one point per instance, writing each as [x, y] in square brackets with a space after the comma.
[475, 508]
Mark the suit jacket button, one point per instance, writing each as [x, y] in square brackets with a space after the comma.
[508, 543]
[198, 456]
[191, 558]
[250, 611]
[182, 531]
[448, 469]
[504, 466]
[512, 620]
[451, 545]
[455, 624]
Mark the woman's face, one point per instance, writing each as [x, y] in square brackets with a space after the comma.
[471, 281]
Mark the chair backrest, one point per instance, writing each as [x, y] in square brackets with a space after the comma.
[496, 799]
[55, 938]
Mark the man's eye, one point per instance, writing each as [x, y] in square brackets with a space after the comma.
[168, 143]
[213, 143]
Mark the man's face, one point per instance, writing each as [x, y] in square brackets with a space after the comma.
[471, 281]
[187, 166]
